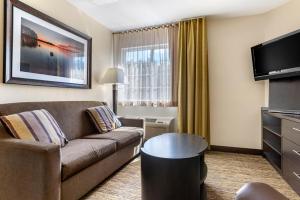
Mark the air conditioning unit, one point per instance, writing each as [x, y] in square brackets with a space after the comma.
[158, 125]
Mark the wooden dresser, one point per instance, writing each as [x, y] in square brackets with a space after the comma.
[281, 145]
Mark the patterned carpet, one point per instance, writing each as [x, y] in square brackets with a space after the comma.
[227, 172]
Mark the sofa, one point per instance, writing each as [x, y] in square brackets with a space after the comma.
[39, 171]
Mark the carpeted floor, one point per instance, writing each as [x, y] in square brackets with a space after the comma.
[227, 172]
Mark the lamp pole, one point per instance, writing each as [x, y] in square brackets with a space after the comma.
[115, 97]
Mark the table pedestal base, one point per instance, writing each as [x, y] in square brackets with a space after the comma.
[173, 179]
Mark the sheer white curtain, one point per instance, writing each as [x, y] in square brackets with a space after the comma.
[147, 58]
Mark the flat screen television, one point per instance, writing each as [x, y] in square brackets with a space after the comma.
[277, 58]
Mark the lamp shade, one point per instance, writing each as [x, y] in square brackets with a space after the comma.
[113, 76]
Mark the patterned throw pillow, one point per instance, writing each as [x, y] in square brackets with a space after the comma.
[37, 125]
[104, 118]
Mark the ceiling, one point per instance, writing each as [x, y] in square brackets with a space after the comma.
[118, 15]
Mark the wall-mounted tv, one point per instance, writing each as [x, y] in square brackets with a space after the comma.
[277, 58]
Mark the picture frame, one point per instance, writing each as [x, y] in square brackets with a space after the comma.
[40, 50]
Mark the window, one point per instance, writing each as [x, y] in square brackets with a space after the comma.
[147, 64]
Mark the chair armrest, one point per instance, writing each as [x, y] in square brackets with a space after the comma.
[132, 122]
[29, 170]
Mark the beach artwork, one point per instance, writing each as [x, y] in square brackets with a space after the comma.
[44, 53]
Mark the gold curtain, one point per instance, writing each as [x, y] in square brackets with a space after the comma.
[193, 97]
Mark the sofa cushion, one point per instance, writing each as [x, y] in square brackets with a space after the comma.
[123, 136]
[104, 118]
[81, 153]
[37, 125]
[138, 130]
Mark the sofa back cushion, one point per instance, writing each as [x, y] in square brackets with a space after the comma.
[71, 116]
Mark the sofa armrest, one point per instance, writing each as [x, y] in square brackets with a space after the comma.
[132, 122]
[29, 170]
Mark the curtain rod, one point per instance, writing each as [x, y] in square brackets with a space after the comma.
[148, 28]
[156, 26]
[191, 18]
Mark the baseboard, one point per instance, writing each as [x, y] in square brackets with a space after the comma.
[236, 150]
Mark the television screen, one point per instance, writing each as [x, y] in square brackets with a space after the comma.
[277, 58]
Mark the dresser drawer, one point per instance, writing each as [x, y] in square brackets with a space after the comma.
[292, 175]
[291, 164]
[291, 153]
[291, 131]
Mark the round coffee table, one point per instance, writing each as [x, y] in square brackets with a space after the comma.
[173, 167]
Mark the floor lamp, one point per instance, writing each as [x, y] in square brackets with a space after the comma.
[114, 76]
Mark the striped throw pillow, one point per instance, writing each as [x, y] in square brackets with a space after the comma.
[37, 125]
[104, 118]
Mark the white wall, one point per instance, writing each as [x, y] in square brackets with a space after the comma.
[102, 57]
[235, 98]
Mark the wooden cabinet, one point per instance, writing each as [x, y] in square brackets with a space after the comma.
[291, 153]
[271, 139]
[281, 145]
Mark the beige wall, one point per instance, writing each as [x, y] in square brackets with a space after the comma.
[235, 98]
[102, 57]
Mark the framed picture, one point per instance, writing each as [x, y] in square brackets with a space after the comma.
[40, 50]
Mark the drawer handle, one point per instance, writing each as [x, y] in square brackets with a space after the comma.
[296, 152]
[297, 175]
[296, 129]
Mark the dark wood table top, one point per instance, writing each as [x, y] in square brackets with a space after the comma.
[175, 146]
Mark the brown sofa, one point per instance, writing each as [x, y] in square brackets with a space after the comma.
[37, 171]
